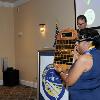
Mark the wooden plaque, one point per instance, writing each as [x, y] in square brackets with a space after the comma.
[65, 43]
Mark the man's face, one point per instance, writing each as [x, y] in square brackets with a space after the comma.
[81, 24]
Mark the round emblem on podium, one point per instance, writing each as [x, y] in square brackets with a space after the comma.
[52, 83]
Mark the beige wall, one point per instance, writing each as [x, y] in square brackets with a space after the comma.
[24, 25]
[7, 40]
[27, 20]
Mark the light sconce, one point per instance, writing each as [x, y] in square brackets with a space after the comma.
[42, 28]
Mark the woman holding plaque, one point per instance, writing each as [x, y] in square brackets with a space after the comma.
[83, 78]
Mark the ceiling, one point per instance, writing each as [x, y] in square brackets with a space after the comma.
[10, 1]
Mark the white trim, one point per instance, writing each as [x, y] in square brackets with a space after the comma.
[15, 4]
[1, 82]
[28, 83]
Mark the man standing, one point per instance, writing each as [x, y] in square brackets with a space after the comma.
[81, 22]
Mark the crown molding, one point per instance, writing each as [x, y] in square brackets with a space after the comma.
[6, 4]
[15, 4]
[20, 2]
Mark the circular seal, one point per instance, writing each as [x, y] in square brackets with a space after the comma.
[90, 15]
[52, 83]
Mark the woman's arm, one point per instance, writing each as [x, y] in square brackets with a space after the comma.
[83, 64]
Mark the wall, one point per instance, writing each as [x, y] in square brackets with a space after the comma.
[28, 39]
[7, 40]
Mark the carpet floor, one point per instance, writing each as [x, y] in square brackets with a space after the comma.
[19, 92]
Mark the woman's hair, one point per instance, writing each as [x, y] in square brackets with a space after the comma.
[89, 34]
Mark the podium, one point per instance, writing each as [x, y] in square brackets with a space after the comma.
[50, 86]
[11, 77]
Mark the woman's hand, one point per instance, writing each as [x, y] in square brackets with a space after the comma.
[58, 68]
[75, 54]
[61, 67]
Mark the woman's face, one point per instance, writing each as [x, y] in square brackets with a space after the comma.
[81, 47]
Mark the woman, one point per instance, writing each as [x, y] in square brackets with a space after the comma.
[83, 78]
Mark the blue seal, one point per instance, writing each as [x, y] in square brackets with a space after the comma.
[52, 83]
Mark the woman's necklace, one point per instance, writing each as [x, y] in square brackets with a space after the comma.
[88, 51]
